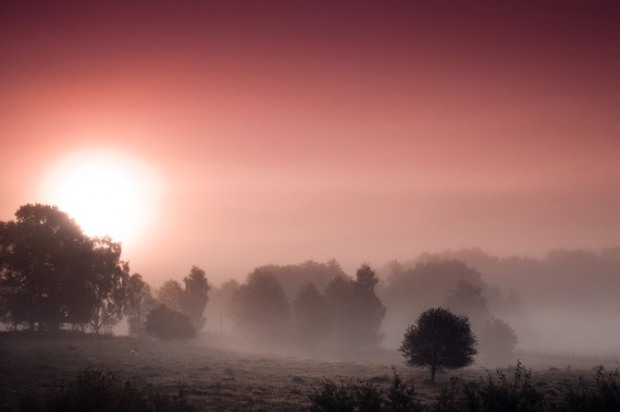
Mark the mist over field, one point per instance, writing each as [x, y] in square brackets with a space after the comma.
[309, 205]
[70, 304]
[563, 304]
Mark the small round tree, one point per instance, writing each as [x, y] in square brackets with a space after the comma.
[439, 339]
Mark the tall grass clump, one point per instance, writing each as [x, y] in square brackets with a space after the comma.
[101, 391]
[364, 396]
[497, 393]
[602, 395]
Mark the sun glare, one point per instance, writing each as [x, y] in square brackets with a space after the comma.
[107, 193]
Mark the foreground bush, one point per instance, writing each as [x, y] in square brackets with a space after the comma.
[98, 391]
[498, 392]
[364, 396]
[602, 395]
[493, 394]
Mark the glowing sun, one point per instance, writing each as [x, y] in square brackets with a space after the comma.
[107, 193]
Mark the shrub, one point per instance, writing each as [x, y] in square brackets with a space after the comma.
[601, 396]
[166, 323]
[333, 397]
[364, 396]
[401, 397]
[493, 394]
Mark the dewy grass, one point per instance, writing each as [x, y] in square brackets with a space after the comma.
[97, 390]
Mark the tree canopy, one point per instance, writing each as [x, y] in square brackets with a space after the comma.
[261, 309]
[52, 274]
[439, 339]
[190, 299]
[356, 310]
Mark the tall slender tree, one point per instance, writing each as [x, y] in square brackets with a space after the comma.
[195, 296]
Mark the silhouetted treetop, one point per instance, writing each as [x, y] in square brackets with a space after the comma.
[439, 339]
[52, 274]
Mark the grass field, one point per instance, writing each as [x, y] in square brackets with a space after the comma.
[218, 379]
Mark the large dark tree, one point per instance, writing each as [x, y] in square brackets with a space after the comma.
[439, 339]
[51, 274]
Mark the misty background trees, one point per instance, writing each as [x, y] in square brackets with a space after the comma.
[343, 315]
[52, 277]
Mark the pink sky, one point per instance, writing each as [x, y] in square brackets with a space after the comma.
[361, 132]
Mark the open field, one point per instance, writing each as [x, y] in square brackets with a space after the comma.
[215, 378]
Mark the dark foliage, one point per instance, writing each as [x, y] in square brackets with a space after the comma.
[439, 339]
[364, 396]
[52, 275]
[492, 394]
[401, 397]
[101, 391]
[166, 323]
[602, 395]
[356, 311]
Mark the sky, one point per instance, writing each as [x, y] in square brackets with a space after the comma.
[361, 131]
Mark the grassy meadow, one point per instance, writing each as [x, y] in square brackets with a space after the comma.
[215, 378]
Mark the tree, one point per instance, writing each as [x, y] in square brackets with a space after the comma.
[108, 280]
[439, 339]
[468, 299]
[51, 274]
[356, 310]
[311, 318]
[221, 307]
[409, 290]
[261, 309]
[496, 339]
[189, 300]
[138, 304]
[171, 294]
[195, 296]
[166, 323]
[294, 277]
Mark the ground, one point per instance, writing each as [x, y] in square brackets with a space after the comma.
[218, 379]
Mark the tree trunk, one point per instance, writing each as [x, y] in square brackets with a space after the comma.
[433, 368]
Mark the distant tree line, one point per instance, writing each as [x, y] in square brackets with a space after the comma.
[53, 276]
[344, 315]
